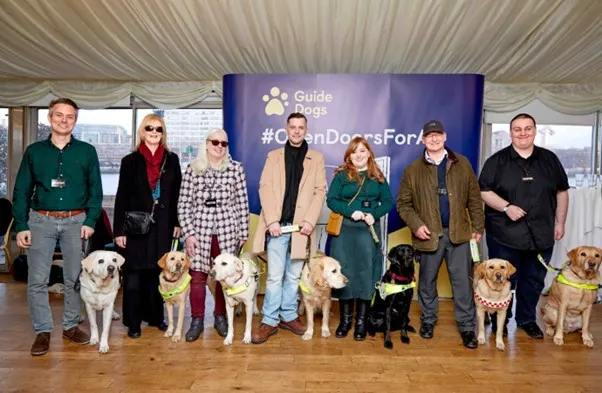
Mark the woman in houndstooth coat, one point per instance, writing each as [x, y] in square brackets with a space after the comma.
[213, 211]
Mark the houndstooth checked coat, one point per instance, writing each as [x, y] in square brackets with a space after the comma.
[229, 220]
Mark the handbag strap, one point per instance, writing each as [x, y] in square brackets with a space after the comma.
[156, 201]
[357, 193]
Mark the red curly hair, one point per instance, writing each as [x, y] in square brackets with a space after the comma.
[373, 171]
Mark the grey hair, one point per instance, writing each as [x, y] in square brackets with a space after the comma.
[201, 162]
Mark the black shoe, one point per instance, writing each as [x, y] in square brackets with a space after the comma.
[221, 325]
[469, 339]
[346, 317]
[361, 308]
[427, 330]
[133, 333]
[195, 330]
[532, 330]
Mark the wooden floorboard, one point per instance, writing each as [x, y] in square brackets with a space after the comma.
[285, 363]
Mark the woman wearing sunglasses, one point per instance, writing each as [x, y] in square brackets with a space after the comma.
[214, 213]
[149, 182]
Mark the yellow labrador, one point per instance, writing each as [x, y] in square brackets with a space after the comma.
[318, 277]
[239, 278]
[493, 295]
[174, 286]
[99, 283]
[568, 307]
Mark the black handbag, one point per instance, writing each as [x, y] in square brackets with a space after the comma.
[138, 222]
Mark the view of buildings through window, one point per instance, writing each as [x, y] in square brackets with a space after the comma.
[572, 145]
[3, 152]
[110, 131]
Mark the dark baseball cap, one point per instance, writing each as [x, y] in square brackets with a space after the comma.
[432, 126]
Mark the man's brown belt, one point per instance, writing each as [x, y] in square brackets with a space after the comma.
[62, 214]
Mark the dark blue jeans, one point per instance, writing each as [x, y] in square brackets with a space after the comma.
[528, 281]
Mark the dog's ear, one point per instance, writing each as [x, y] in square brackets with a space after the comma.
[120, 260]
[163, 261]
[187, 262]
[480, 270]
[511, 269]
[573, 254]
[317, 273]
[88, 262]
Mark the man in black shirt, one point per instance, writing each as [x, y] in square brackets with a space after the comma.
[524, 188]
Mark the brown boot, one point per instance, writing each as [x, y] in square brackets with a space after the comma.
[295, 326]
[41, 344]
[77, 336]
[262, 333]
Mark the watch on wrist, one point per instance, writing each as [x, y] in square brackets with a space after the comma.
[505, 209]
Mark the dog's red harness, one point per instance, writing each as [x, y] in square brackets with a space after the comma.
[401, 278]
[491, 303]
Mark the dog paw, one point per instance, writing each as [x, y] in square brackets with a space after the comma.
[228, 340]
[115, 316]
[405, 340]
[325, 333]
[550, 331]
[246, 339]
[307, 336]
[93, 340]
[103, 348]
[255, 311]
[389, 344]
[500, 345]
[588, 341]
[481, 340]
[411, 329]
[558, 340]
[175, 338]
[168, 333]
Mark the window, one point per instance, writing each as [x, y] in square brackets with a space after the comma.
[110, 131]
[572, 145]
[3, 152]
[184, 134]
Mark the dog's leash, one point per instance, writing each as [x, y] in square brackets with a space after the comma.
[85, 249]
[540, 257]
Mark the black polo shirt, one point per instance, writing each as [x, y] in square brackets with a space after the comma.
[532, 185]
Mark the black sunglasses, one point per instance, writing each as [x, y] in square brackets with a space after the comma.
[215, 143]
[153, 128]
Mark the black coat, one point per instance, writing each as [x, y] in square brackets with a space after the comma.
[134, 194]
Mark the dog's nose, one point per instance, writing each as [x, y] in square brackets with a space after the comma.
[111, 268]
[592, 265]
[178, 266]
[498, 276]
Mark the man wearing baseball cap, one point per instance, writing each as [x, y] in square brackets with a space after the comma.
[435, 193]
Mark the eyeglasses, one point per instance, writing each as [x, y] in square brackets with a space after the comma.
[215, 143]
[153, 128]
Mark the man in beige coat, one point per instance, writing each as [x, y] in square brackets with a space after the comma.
[292, 191]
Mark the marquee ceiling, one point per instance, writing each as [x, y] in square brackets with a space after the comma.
[150, 41]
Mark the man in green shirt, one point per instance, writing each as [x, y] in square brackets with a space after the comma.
[57, 198]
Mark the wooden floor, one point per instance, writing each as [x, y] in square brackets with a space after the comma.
[286, 363]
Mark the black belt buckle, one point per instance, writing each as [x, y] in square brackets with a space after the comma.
[366, 204]
[441, 191]
[211, 202]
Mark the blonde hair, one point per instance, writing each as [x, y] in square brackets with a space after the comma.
[201, 162]
[147, 119]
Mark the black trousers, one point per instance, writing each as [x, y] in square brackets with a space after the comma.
[141, 298]
[528, 281]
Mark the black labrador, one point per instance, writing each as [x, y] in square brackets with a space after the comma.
[391, 306]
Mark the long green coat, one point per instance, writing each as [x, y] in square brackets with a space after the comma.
[354, 248]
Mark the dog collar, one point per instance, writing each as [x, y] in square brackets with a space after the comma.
[176, 291]
[563, 280]
[385, 289]
[492, 304]
[231, 291]
[304, 288]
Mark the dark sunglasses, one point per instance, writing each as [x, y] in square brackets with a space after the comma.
[153, 128]
[215, 143]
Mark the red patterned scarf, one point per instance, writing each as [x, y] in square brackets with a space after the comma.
[153, 163]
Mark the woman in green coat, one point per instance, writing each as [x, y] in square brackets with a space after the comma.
[360, 193]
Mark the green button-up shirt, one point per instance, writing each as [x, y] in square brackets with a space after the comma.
[43, 164]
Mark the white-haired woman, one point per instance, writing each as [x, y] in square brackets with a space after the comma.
[214, 213]
[149, 173]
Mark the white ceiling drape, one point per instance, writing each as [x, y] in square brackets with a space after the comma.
[174, 52]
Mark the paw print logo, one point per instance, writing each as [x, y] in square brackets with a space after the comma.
[275, 102]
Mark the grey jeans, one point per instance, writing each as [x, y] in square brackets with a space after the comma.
[459, 268]
[45, 232]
